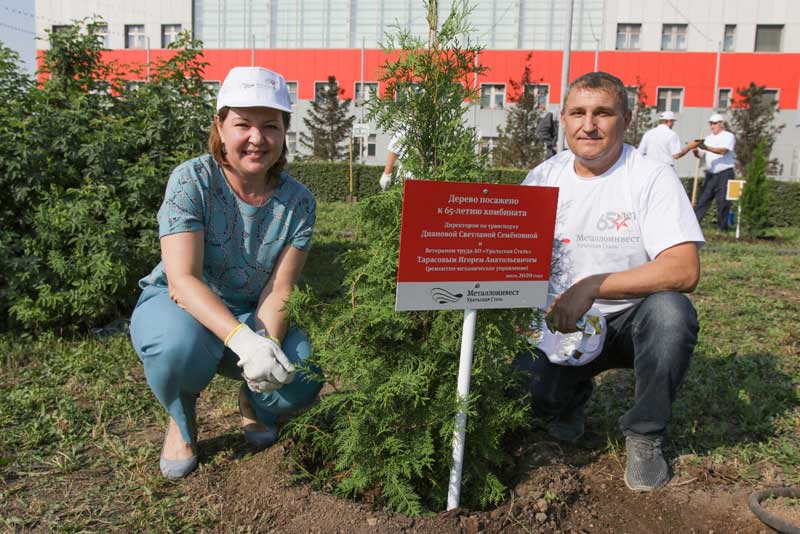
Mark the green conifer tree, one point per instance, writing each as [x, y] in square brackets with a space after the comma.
[755, 199]
[642, 116]
[518, 146]
[388, 427]
[753, 123]
[329, 124]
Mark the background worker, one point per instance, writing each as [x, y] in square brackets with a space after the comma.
[396, 151]
[547, 132]
[718, 149]
[662, 143]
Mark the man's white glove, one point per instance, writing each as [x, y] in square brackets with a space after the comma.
[385, 181]
[264, 365]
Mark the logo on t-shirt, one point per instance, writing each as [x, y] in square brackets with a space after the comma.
[616, 221]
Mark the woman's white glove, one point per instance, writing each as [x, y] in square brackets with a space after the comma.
[385, 181]
[264, 365]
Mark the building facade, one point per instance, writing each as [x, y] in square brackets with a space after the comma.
[686, 57]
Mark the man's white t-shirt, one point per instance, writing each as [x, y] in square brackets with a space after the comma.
[660, 143]
[613, 222]
[714, 162]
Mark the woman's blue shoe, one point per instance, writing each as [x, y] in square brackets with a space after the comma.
[259, 435]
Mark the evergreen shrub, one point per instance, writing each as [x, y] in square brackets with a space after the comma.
[387, 428]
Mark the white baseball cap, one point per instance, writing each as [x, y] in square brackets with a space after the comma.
[250, 87]
[667, 116]
[716, 117]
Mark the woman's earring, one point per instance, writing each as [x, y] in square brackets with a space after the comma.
[224, 150]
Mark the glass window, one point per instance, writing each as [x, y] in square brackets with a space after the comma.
[292, 88]
[102, 34]
[669, 99]
[729, 38]
[133, 85]
[628, 36]
[291, 142]
[539, 91]
[632, 92]
[724, 99]
[673, 37]
[320, 88]
[134, 36]
[371, 145]
[403, 90]
[370, 88]
[771, 95]
[55, 28]
[487, 146]
[169, 34]
[768, 37]
[493, 95]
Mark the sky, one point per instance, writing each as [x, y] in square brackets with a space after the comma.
[17, 29]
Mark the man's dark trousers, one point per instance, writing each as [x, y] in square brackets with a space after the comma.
[655, 338]
[715, 186]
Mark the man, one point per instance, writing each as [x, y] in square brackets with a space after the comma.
[719, 150]
[662, 143]
[626, 243]
[547, 132]
[396, 151]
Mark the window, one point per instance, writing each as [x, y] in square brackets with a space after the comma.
[134, 36]
[724, 99]
[729, 38]
[292, 88]
[770, 95]
[56, 28]
[291, 142]
[768, 37]
[540, 92]
[169, 34]
[673, 37]
[371, 145]
[370, 88]
[133, 85]
[403, 90]
[628, 36]
[669, 99]
[493, 95]
[632, 92]
[322, 87]
[487, 146]
[102, 34]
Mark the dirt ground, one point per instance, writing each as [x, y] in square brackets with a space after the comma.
[562, 490]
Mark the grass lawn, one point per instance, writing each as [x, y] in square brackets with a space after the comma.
[81, 432]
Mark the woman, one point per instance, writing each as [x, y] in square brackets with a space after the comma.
[235, 232]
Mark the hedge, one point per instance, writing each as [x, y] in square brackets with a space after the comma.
[330, 182]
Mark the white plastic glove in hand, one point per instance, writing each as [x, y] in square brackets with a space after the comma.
[385, 181]
[264, 365]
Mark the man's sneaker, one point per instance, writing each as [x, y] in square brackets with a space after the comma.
[646, 469]
[569, 427]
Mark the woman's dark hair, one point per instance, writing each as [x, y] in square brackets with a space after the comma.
[217, 149]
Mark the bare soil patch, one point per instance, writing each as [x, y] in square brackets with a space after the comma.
[255, 493]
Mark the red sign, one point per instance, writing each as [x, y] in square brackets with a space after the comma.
[468, 245]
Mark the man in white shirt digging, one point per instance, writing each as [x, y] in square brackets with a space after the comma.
[662, 144]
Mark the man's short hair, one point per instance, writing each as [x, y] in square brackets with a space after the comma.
[604, 81]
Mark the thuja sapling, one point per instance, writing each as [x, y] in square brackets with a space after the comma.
[387, 427]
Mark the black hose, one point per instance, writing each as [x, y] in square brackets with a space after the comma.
[772, 520]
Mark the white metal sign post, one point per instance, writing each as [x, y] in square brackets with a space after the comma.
[464, 375]
[470, 246]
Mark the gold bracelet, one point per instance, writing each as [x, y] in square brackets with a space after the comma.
[235, 329]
